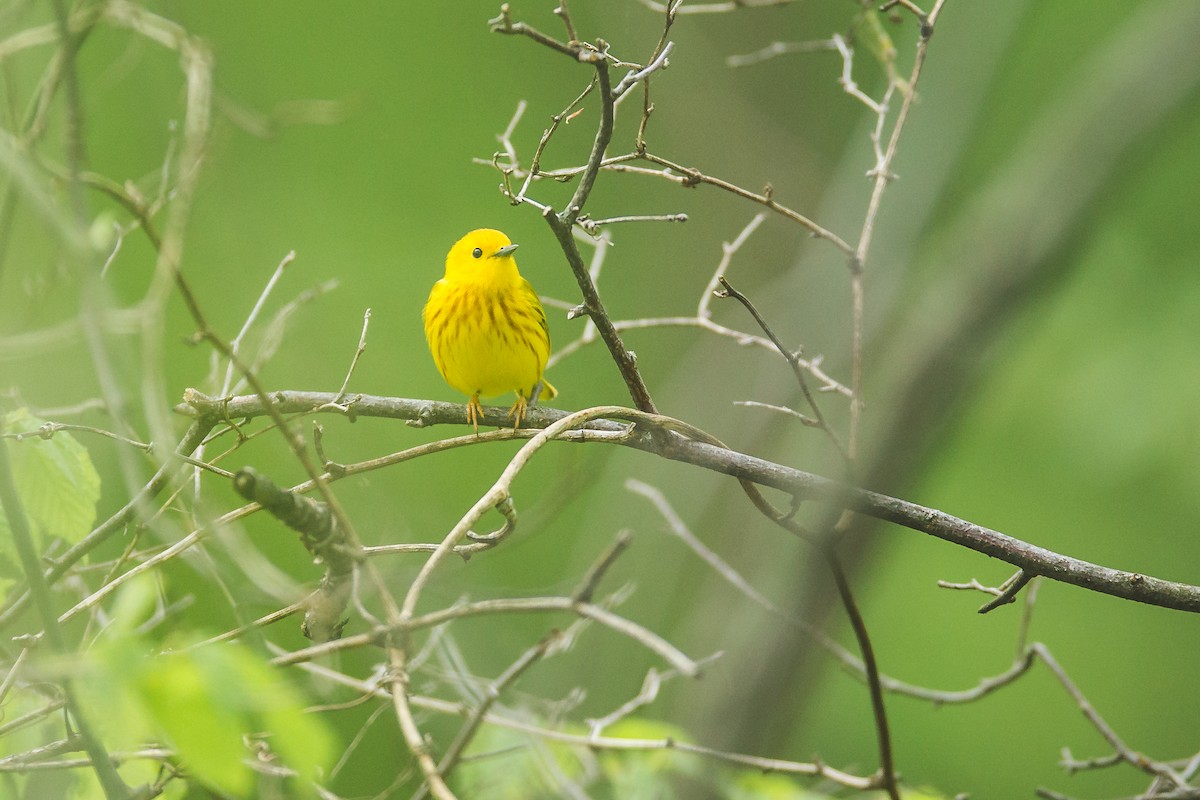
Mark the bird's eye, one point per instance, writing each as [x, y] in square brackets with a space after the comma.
[476, 253]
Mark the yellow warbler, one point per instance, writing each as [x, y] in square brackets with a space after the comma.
[485, 326]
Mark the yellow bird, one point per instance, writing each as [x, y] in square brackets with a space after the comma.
[485, 325]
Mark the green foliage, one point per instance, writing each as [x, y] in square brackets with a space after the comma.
[648, 773]
[57, 484]
[769, 786]
[204, 702]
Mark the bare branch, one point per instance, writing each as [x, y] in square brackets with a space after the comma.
[793, 360]
[816, 770]
[516, 605]
[1156, 768]
[1037, 560]
[362, 346]
[687, 177]
[702, 319]
[678, 7]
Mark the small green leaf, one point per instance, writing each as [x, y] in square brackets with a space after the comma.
[55, 479]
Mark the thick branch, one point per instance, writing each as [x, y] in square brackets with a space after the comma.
[320, 534]
[1031, 558]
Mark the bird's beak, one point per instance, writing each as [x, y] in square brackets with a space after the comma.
[505, 251]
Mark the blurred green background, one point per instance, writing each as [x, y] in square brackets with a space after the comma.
[1032, 331]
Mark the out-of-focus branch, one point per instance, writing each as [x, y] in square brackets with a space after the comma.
[656, 644]
[615, 744]
[321, 536]
[491, 694]
[702, 318]
[882, 173]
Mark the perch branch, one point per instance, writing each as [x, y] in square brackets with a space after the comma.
[1029, 557]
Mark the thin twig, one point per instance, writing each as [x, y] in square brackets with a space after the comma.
[793, 360]
[775, 49]
[236, 342]
[883, 734]
[817, 769]
[587, 587]
[687, 176]
[491, 694]
[888, 779]
[711, 8]
[702, 319]
[882, 173]
[656, 644]
[362, 346]
[1147, 765]
[1008, 592]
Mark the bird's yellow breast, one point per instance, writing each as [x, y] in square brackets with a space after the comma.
[487, 340]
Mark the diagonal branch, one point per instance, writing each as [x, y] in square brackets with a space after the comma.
[793, 359]
[562, 223]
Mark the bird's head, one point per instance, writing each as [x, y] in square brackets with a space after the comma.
[482, 256]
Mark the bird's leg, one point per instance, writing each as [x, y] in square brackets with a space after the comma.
[517, 412]
[474, 411]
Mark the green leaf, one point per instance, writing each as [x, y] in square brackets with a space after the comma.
[57, 484]
[184, 698]
[272, 704]
[204, 702]
[209, 699]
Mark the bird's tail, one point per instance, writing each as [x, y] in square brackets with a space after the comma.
[548, 392]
